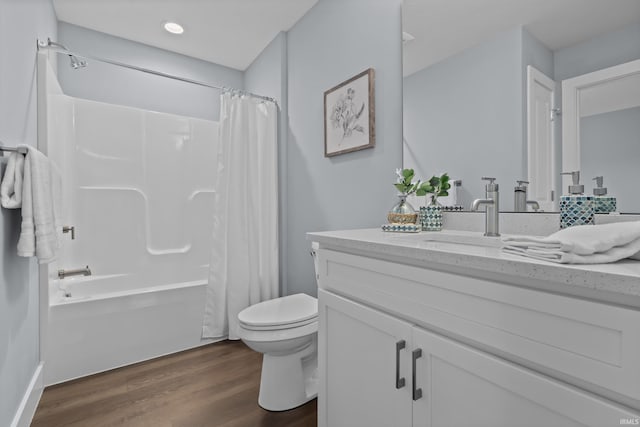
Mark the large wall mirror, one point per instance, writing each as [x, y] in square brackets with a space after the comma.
[482, 93]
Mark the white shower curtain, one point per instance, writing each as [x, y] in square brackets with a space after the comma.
[244, 255]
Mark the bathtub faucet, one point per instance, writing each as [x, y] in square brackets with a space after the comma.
[77, 272]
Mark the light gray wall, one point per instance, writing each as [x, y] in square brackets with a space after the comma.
[267, 75]
[22, 22]
[610, 146]
[117, 85]
[334, 41]
[604, 51]
[464, 116]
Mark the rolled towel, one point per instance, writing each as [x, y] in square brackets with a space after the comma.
[584, 244]
[40, 205]
[11, 187]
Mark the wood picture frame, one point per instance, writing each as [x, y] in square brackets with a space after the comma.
[349, 115]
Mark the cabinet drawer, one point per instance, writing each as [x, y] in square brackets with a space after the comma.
[593, 342]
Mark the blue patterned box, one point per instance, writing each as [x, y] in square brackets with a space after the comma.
[576, 210]
[401, 228]
[605, 204]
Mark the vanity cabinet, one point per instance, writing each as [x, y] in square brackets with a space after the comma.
[464, 352]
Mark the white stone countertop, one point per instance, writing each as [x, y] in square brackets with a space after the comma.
[617, 283]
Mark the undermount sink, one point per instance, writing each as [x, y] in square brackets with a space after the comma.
[462, 238]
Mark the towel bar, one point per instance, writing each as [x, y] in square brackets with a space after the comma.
[21, 150]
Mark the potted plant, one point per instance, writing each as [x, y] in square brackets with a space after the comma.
[403, 212]
[431, 215]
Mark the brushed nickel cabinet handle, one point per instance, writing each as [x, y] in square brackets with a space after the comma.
[415, 355]
[400, 382]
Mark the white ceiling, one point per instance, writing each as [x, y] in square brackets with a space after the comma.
[226, 32]
[234, 32]
[445, 27]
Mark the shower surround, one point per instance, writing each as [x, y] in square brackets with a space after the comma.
[138, 186]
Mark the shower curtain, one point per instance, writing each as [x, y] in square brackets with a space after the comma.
[244, 255]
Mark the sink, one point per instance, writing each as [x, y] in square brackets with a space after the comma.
[462, 238]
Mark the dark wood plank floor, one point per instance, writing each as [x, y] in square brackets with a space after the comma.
[211, 386]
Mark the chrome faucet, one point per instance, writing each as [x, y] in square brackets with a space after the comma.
[77, 272]
[520, 201]
[491, 202]
[71, 229]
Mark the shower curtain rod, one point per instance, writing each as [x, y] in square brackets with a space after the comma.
[56, 48]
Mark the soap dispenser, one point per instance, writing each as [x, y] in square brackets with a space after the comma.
[575, 207]
[603, 204]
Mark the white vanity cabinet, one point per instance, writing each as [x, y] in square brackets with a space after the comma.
[402, 345]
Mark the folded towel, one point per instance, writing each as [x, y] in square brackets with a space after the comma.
[583, 244]
[40, 202]
[11, 187]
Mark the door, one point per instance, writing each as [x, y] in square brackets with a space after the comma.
[541, 117]
[464, 386]
[363, 366]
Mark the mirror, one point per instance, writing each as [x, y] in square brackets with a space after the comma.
[469, 110]
[601, 129]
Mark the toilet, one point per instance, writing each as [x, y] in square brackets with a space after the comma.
[285, 330]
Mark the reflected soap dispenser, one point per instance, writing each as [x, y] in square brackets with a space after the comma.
[603, 204]
[575, 207]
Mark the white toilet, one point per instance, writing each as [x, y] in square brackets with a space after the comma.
[285, 330]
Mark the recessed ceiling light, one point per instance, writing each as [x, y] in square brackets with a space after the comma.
[173, 27]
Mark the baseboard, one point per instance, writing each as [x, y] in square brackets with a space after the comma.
[27, 409]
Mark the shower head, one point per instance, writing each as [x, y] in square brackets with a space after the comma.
[77, 63]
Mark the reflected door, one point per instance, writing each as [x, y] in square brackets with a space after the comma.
[541, 115]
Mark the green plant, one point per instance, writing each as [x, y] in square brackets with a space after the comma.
[405, 185]
[437, 186]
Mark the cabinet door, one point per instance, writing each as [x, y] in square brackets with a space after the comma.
[464, 386]
[357, 359]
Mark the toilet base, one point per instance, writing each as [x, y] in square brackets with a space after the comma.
[289, 381]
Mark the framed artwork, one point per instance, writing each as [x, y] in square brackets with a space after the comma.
[349, 115]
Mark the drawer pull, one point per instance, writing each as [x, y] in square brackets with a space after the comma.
[415, 355]
[400, 382]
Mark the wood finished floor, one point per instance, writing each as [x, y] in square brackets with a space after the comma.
[212, 386]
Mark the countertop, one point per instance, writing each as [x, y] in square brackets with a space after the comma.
[617, 283]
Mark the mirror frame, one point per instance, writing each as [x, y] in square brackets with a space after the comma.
[571, 109]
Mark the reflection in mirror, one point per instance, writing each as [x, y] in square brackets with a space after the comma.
[601, 130]
[465, 87]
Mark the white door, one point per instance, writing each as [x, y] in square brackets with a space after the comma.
[463, 386]
[363, 366]
[541, 114]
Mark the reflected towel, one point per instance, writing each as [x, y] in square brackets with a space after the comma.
[40, 202]
[583, 244]
[11, 187]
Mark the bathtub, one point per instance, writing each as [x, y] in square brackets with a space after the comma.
[108, 322]
[138, 188]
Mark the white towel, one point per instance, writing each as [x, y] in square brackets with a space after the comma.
[11, 187]
[40, 202]
[583, 244]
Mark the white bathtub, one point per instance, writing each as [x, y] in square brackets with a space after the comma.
[138, 187]
[96, 330]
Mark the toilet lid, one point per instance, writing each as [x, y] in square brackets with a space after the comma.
[289, 310]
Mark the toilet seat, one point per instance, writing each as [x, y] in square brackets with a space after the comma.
[288, 312]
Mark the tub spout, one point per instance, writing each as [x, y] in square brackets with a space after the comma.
[77, 272]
